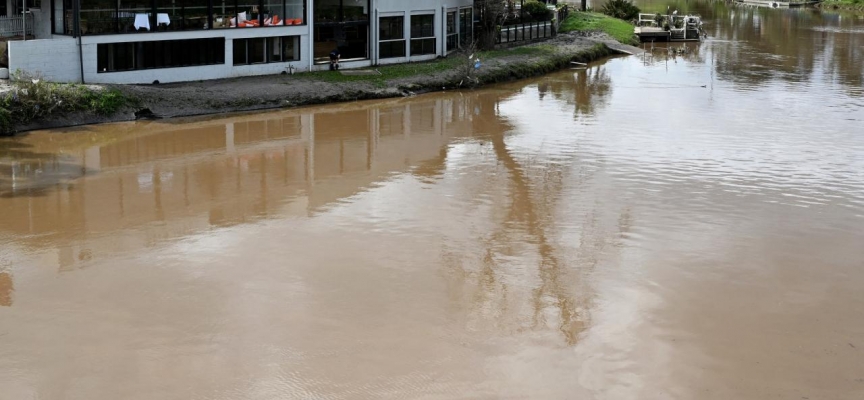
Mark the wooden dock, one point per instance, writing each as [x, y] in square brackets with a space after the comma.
[654, 34]
[670, 28]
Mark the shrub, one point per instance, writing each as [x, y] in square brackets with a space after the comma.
[621, 9]
[536, 11]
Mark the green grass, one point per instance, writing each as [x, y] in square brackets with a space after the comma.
[844, 2]
[388, 72]
[33, 98]
[621, 30]
[398, 71]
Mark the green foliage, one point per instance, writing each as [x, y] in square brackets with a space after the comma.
[536, 11]
[32, 98]
[621, 9]
[577, 21]
[850, 4]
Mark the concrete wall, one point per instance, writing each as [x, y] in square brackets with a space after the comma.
[56, 60]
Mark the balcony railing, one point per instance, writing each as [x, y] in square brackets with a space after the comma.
[14, 26]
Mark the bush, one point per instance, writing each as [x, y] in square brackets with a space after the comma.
[536, 11]
[621, 9]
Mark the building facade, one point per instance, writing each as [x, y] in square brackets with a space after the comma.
[142, 41]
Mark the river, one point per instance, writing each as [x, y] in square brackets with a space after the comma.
[663, 227]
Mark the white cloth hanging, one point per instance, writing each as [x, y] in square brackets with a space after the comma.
[162, 18]
[142, 21]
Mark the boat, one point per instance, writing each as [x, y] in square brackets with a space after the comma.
[669, 28]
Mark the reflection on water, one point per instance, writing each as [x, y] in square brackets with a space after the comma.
[6, 289]
[648, 227]
[754, 47]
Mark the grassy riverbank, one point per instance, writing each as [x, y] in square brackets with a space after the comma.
[579, 21]
[851, 5]
[32, 99]
[67, 105]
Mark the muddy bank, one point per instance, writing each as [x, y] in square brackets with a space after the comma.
[282, 91]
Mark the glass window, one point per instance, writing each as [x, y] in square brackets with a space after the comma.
[97, 17]
[249, 51]
[115, 57]
[256, 50]
[392, 28]
[130, 16]
[248, 13]
[391, 37]
[342, 24]
[273, 13]
[422, 26]
[290, 48]
[260, 50]
[391, 49]
[224, 14]
[423, 34]
[239, 51]
[422, 46]
[452, 35]
[466, 27]
[295, 12]
[159, 54]
[180, 15]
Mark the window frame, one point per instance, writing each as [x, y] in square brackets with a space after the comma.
[423, 39]
[151, 55]
[455, 34]
[401, 40]
[268, 50]
[119, 20]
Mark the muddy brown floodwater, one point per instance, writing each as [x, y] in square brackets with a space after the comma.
[648, 228]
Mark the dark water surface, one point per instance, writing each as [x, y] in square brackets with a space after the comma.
[686, 227]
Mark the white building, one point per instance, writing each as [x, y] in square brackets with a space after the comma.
[141, 41]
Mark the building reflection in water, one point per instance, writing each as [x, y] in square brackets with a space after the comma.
[164, 181]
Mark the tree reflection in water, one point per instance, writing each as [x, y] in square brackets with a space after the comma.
[525, 250]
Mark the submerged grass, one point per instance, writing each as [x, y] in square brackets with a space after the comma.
[621, 30]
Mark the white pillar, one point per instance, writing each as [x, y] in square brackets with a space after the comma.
[309, 24]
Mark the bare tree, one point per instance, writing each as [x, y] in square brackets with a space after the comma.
[492, 14]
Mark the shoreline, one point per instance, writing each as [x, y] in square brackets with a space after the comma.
[270, 92]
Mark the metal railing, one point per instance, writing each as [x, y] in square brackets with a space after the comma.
[14, 26]
[527, 31]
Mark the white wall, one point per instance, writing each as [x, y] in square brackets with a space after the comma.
[56, 59]
[406, 8]
[206, 72]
